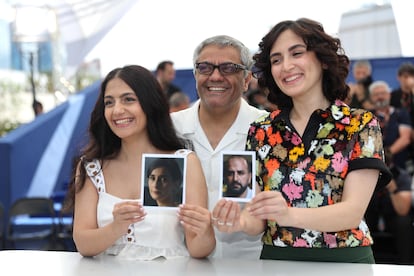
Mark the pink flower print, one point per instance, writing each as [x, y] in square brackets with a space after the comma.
[292, 191]
[345, 121]
[304, 164]
[330, 240]
[296, 140]
[252, 130]
[292, 137]
[300, 243]
[339, 162]
[373, 122]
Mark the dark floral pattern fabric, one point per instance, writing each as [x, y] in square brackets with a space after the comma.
[310, 171]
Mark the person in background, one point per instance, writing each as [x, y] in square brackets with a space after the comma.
[402, 97]
[219, 120]
[165, 74]
[390, 211]
[237, 174]
[393, 203]
[319, 161]
[179, 101]
[395, 124]
[257, 97]
[38, 108]
[130, 118]
[358, 94]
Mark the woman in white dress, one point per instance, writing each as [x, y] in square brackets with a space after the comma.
[131, 118]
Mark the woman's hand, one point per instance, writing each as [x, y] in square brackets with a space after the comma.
[194, 218]
[125, 213]
[226, 216]
[269, 205]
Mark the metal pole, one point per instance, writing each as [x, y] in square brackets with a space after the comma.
[31, 65]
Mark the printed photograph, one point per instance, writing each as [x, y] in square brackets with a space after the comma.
[238, 173]
[163, 180]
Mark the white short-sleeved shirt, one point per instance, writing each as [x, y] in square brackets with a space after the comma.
[187, 124]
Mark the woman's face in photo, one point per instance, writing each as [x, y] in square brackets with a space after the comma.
[161, 186]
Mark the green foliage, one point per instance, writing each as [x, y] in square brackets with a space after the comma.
[6, 126]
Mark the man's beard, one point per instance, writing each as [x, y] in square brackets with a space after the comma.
[235, 192]
[382, 104]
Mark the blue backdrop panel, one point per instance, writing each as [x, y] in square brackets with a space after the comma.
[385, 69]
[22, 151]
[185, 80]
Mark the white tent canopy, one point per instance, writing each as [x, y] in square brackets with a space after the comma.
[80, 24]
[119, 32]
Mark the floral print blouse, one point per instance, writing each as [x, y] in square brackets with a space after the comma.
[310, 171]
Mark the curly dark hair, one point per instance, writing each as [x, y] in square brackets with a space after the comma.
[328, 51]
[103, 144]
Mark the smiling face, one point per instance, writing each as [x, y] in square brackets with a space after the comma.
[217, 91]
[296, 71]
[123, 111]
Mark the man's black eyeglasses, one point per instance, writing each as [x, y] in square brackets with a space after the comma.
[228, 68]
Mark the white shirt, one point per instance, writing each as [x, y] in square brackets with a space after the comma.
[229, 245]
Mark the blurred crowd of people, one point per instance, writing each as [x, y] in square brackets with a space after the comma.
[390, 212]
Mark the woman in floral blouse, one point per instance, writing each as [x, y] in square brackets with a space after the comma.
[318, 160]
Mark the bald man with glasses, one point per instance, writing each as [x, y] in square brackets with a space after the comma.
[219, 121]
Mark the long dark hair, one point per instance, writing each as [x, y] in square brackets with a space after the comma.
[328, 50]
[104, 144]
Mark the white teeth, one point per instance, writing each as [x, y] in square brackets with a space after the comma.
[216, 88]
[123, 121]
[292, 78]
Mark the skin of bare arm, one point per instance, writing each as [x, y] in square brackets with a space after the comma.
[358, 188]
[91, 240]
[401, 200]
[271, 205]
[194, 215]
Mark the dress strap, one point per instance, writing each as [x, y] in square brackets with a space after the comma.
[183, 152]
[94, 171]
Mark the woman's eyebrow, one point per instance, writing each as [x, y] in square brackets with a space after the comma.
[291, 48]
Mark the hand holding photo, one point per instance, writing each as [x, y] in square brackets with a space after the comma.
[163, 180]
[238, 173]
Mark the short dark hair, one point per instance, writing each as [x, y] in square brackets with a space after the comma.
[161, 66]
[406, 68]
[245, 157]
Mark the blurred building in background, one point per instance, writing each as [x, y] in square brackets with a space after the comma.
[370, 32]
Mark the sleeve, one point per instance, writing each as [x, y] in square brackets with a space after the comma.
[368, 151]
[404, 117]
[403, 180]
